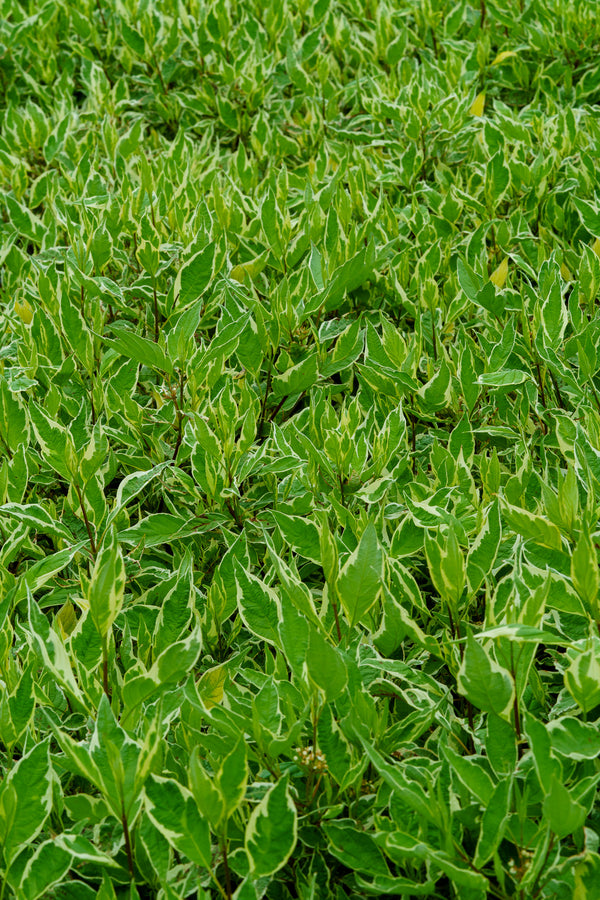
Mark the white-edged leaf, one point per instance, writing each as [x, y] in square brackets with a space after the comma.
[272, 831]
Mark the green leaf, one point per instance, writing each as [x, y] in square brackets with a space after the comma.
[107, 585]
[258, 605]
[272, 831]
[562, 813]
[334, 745]
[582, 679]
[488, 686]
[270, 218]
[546, 765]
[207, 795]
[585, 574]
[397, 886]
[446, 565]
[42, 571]
[25, 800]
[195, 275]
[117, 759]
[133, 39]
[54, 440]
[107, 891]
[21, 705]
[501, 745]
[469, 281]
[497, 178]
[573, 738]
[398, 624]
[400, 846]
[143, 351]
[354, 848]
[462, 439]
[589, 216]
[232, 777]
[161, 528]
[437, 393]
[301, 534]
[472, 774]
[84, 850]
[44, 870]
[533, 527]
[410, 793]
[171, 666]
[177, 608]
[298, 378]
[47, 643]
[13, 418]
[505, 378]
[35, 516]
[131, 486]
[359, 581]
[482, 553]
[294, 633]
[326, 666]
[555, 317]
[173, 811]
[316, 267]
[347, 349]
[295, 593]
[489, 299]
[587, 876]
[493, 823]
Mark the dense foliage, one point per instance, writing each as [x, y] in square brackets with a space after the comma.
[299, 449]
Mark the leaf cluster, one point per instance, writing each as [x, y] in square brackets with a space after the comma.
[299, 449]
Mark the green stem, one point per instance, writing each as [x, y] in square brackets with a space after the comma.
[336, 615]
[128, 849]
[155, 296]
[471, 725]
[434, 42]
[234, 511]
[94, 417]
[433, 336]
[494, 244]
[5, 880]
[413, 442]
[159, 73]
[88, 526]
[423, 150]
[451, 619]
[6, 447]
[220, 888]
[100, 10]
[516, 711]
[596, 398]
[105, 685]
[541, 384]
[315, 789]
[263, 410]
[179, 422]
[534, 889]
[228, 891]
[276, 410]
[559, 396]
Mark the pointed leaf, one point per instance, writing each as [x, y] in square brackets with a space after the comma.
[271, 833]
